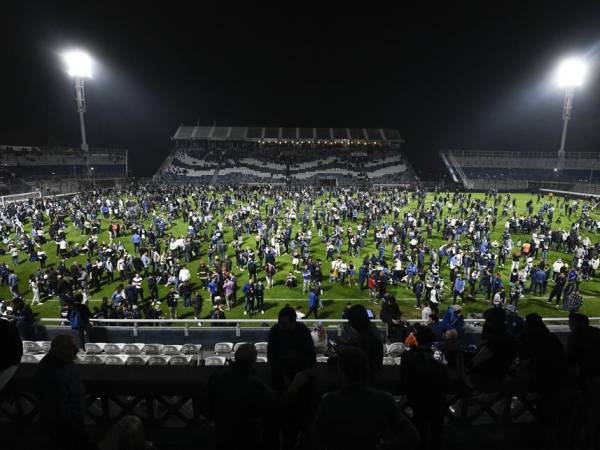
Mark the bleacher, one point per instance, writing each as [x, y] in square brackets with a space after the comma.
[27, 165]
[477, 169]
[247, 155]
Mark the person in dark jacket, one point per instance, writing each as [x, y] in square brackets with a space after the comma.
[583, 352]
[391, 315]
[426, 382]
[24, 319]
[236, 395]
[290, 351]
[12, 350]
[364, 335]
[60, 394]
[542, 353]
[290, 348]
[79, 317]
[357, 415]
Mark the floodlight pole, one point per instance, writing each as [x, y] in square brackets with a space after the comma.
[567, 107]
[81, 109]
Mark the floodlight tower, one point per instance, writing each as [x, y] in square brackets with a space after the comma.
[570, 74]
[79, 66]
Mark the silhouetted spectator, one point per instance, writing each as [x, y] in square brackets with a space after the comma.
[583, 350]
[12, 350]
[60, 394]
[237, 396]
[496, 354]
[79, 318]
[391, 315]
[363, 334]
[542, 353]
[127, 434]
[426, 381]
[358, 416]
[290, 348]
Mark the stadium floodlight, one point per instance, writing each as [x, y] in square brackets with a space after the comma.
[569, 75]
[79, 66]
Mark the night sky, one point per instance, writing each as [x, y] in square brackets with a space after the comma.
[474, 76]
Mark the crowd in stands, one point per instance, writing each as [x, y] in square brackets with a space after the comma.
[247, 162]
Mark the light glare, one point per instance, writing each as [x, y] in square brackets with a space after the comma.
[79, 64]
[571, 73]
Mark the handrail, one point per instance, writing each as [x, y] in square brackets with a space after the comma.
[236, 321]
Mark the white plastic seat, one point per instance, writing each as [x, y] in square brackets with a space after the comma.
[389, 361]
[215, 361]
[261, 359]
[191, 349]
[31, 347]
[114, 360]
[132, 349]
[158, 360]
[396, 349]
[261, 347]
[179, 360]
[44, 345]
[171, 350]
[93, 348]
[136, 360]
[222, 348]
[322, 359]
[29, 358]
[238, 345]
[152, 349]
[113, 349]
[90, 359]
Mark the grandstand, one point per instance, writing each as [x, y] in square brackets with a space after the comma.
[26, 168]
[254, 155]
[480, 170]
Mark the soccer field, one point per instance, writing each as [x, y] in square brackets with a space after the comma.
[335, 296]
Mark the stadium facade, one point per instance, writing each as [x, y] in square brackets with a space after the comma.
[255, 155]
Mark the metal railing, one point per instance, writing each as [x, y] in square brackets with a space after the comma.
[186, 324]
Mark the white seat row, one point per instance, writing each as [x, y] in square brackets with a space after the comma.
[36, 346]
[136, 360]
[95, 348]
[394, 349]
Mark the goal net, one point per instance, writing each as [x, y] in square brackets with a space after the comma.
[4, 199]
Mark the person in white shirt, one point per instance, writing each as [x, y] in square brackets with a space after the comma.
[425, 313]
[184, 274]
[137, 283]
[319, 337]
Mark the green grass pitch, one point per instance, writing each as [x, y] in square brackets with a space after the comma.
[335, 297]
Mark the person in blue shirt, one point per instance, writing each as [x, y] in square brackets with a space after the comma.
[459, 289]
[136, 242]
[537, 281]
[313, 303]
[213, 289]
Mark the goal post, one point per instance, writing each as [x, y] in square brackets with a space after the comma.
[13, 198]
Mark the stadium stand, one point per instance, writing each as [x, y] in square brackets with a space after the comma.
[252, 155]
[22, 168]
[476, 170]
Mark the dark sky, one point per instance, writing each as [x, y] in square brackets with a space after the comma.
[470, 76]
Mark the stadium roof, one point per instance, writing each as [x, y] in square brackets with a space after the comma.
[214, 133]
